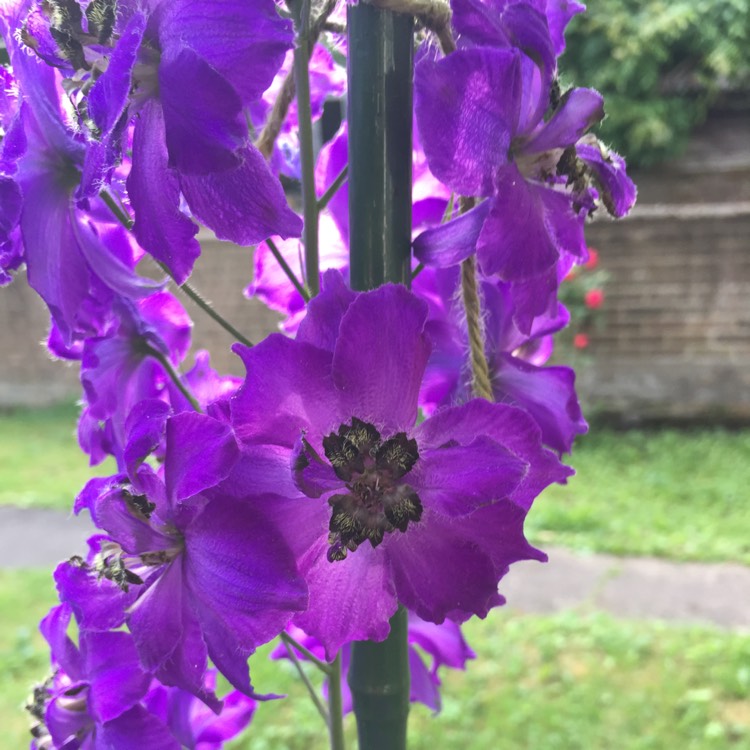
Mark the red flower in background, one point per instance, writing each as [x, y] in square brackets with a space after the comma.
[593, 260]
[594, 298]
[580, 341]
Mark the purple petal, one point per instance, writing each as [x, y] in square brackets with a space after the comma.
[145, 427]
[201, 451]
[244, 41]
[534, 298]
[444, 642]
[207, 385]
[57, 270]
[456, 480]
[378, 370]
[160, 620]
[211, 731]
[109, 96]
[517, 240]
[154, 190]
[136, 729]
[245, 205]
[288, 390]
[438, 568]
[114, 673]
[244, 581]
[466, 107]
[617, 190]
[498, 529]
[507, 425]
[54, 628]
[65, 725]
[203, 118]
[313, 476]
[577, 112]
[361, 584]
[559, 13]
[320, 326]
[333, 157]
[261, 470]
[547, 393]
[115, 274]
[11, 202]
[450, 243]
[113, 511]
[423, 686]
[98, 604]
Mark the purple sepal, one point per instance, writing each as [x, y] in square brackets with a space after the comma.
[616, 190]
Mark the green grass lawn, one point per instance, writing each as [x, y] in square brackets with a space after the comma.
[682, 495]
[669, 493]
[577, 681]
[41, 464]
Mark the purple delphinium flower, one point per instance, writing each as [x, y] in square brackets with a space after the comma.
[77, 258]
[186, 70]
[98, 696]
[386, 512]
[121, 368]
[93, 698]
[212, 575]
[482, 115]
[444, 643]
[515, 360]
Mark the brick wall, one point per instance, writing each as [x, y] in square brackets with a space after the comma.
[677, 339]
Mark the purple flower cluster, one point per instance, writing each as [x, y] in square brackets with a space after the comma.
[351, 471]
[98, 696]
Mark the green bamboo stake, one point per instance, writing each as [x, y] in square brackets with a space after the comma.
[380, 71]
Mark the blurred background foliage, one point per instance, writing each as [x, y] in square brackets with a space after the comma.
[661, 64]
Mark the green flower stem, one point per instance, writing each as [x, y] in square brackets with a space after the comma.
[321, 665]
[335, 706]
[122, 216]
[380, 73]
[190, 291]
[163, 360]
[325, 199]
[286, 268]
[301, 11]
[306, 681]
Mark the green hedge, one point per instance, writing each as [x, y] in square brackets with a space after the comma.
[660, 65]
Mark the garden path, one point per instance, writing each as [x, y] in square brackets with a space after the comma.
[626, 587]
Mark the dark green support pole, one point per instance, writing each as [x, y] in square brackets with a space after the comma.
[379, 681]
[379, 113]
[380, 70]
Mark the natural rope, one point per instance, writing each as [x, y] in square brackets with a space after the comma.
[481, 384]
[275, 121]
[434, 15]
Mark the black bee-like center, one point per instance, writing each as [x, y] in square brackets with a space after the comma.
[377, 501]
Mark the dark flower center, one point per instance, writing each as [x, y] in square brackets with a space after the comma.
[378, 502]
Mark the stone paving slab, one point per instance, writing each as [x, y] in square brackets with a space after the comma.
[638, 588]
